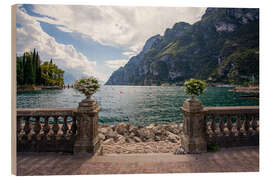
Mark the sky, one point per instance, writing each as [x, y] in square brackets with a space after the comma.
[93, 40]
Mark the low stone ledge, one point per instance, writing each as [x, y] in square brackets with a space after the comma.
[230, 110]
[28, 112]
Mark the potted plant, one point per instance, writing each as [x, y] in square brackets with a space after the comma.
[87, 86]
[194, 87]
[87, 140]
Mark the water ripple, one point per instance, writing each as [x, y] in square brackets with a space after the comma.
[136, 104]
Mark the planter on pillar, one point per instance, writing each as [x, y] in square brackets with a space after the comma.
[193, 139]
[87, 140]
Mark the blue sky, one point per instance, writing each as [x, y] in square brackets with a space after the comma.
[93, 40]
[86, 45]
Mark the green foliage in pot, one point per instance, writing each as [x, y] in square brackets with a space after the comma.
[87, 86]
[195, 87]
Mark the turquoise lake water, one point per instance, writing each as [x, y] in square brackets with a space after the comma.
[135, 104]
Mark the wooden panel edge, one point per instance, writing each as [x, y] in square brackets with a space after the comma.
[13, 91]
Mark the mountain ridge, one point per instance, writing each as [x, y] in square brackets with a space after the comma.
[211, 49]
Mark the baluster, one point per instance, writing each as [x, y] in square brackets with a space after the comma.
[46, 128]
[26, 128]
[73, 128]
[55, 126]
[64, 128]
[221, 125]
[254, 124]
[229, 124]
[207, 123]
[37, 127]
[247, 125]
[19, 127]
[213, 125]
[239, 125]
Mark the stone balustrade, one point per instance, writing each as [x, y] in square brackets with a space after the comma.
[219, 126]
[72, 130]
[51, 129]
[232, 126]
[75, 130]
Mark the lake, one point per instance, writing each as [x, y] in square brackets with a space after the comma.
[139, 105]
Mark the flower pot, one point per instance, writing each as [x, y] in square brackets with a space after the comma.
[192, 97]
[89, 96]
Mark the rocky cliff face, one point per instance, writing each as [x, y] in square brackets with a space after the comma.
[223, 46]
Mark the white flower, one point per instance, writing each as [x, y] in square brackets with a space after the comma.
[87, 86]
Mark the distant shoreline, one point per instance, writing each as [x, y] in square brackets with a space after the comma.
[250, 89]
[173, 84]
[36, 88]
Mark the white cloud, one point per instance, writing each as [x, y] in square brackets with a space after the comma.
[129, 54]
[115, 64]
[124, 27]
[30, 35]
[127, 27]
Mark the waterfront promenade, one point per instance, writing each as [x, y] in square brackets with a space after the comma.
[41, 142]
[238, 159]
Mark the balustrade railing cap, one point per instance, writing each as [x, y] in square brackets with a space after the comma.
[46, 111]
[232, 110]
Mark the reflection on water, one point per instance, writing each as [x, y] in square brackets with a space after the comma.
[134, 104]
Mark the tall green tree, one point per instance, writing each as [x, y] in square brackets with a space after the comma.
[31, 71]
[28, 70]
[34, 65]
[38, 69]
[19, 70]
[24, 69]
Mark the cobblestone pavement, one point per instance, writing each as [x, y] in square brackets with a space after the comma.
[244, 159]
[141, 147]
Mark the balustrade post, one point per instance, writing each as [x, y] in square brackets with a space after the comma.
[194, 137]
[87, 140]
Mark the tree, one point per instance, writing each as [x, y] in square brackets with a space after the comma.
[31, 71]
[34, 66]
[38, 69]
[24, 69]
[19, 70]
[51, 74]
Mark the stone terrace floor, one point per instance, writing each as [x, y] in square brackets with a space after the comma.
[242, 159]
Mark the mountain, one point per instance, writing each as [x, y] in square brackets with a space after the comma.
[222, 47]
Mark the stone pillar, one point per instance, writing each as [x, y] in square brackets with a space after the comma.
[194, 135]
[87, 140]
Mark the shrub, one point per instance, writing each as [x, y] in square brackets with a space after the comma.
[194, 87]
[87, 86]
